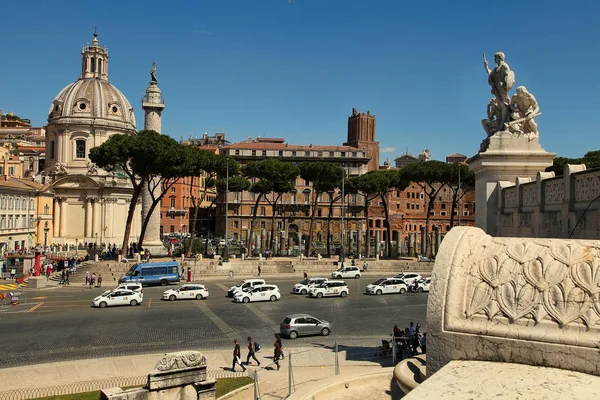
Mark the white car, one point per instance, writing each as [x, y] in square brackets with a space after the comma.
[258, 293]
[244, 285]
[184, 292]
[118, 297]
[329, 288]
[346, 272]
[423, 285]
[387, 285]
[408, 277]
[134, 287]
[306, 284]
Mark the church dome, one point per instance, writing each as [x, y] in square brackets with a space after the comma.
[92, 99]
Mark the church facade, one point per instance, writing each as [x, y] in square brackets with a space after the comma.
[90, 204]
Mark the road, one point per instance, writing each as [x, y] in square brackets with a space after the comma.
[60, 325]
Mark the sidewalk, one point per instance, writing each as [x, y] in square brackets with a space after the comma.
[309, 364]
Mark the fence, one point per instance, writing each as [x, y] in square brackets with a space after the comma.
[89, 386]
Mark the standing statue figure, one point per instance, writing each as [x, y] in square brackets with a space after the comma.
[501, 79]
[524, 108]
[492, 123]
[153, 73]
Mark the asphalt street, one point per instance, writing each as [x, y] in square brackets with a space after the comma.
[60, 324]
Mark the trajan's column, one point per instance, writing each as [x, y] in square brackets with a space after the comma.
[152, 104]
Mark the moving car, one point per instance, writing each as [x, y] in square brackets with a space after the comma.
[152, 273]
[423, 285]
[408, 277]
[258, 293]
[244, 285]
[329, 288]
[387, 285]
[118, 297]
[295, 325]
[134, 287]
[186, 292]
[305, 284]
[346, 272]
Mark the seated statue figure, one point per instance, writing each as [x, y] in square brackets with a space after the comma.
[524, 108]
[492, 123]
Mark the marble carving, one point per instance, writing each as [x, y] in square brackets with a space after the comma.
[529, 301]
[509, 116]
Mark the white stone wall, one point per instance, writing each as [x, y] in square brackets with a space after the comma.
[551, 206]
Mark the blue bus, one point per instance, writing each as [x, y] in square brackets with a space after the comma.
[152, 273]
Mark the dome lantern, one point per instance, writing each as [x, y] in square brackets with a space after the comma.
[94, 60]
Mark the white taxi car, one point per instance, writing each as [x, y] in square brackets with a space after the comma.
[258, 293]
[118, 297]
[186, 292]
[329, 288]
[244, 286]
[408, 277]
[423, 285]
[387, 285]
[346, 272]
[305, 284]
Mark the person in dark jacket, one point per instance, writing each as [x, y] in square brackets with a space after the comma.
[237, 354]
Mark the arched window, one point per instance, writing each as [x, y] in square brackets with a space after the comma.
[99, 65]
[80, 148]
[93, 64]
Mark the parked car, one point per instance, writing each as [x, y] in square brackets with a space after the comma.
[346, 272]
[186, 292]
[408, 277]
[118, 297]
[423, 285]
[387, 285]
[244, 285]
[258, 293]
[295, 325]
[329, 288]
[303, 286]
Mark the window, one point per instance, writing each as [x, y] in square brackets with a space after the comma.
[343, 154]
[294, 153]
[443, 213]
[263, 211]
[31, 221]
[306, 198]
[172, 229]
[432, 213]
[397, 206]
[262, 224]
[253, 152]
[52, 149]
[235, 224]
[377, 223]
[11, 171]
[264, 152]
[31, 204]
[3, 223]
[280, 153]
[353, 154]
[10, 222]
[443, 206]
[93, 64]
[237, 152]
[307, 153]
[80, 148]
[172, 203]
[319, 154]
[47, 209]
[251, 210]
[466, 206]
[306, 183]
[417, 206]
[293, 198]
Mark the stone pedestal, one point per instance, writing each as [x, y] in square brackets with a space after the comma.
[36, 282]
[503, 157]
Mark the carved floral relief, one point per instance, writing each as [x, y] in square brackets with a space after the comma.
[539, 281]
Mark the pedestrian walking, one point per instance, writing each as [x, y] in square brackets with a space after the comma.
[278, 355]
[423, 343]
[305, 275]
[99, 280]
[279, 343]
[237, 354]
[230, 274]
[259, 270]
[87, 278]
[67, 278]
[63, 277]
[251, 352]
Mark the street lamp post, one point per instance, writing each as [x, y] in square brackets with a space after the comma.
[226, 247]
[76, 247]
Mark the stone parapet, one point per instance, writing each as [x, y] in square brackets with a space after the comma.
[528, 301]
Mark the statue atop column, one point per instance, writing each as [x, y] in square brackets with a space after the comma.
[153, 73]
[515, 115]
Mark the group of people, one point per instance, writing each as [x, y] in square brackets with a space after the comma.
[410, 340]
[253, 348]
[90, 280]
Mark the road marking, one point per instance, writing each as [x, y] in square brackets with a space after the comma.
[32, 309]
[149, 302]
[39, 298]
[263, 317]
[225, 288]
[222, 325]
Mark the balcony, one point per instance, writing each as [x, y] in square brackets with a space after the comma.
[177, 211]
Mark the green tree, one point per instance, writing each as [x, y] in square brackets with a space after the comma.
[170, 162]
[591, 159]
[460, 181]
[356, 185]
[382, 182]
[128, 154]
[431, 176]
[324, 178]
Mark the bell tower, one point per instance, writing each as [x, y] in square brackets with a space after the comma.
[361, 134]
[94, 60]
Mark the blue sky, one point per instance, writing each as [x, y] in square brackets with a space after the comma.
[270, 68]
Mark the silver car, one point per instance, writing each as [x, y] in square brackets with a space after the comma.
[295, 325]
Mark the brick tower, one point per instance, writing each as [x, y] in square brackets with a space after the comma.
[361, 134]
